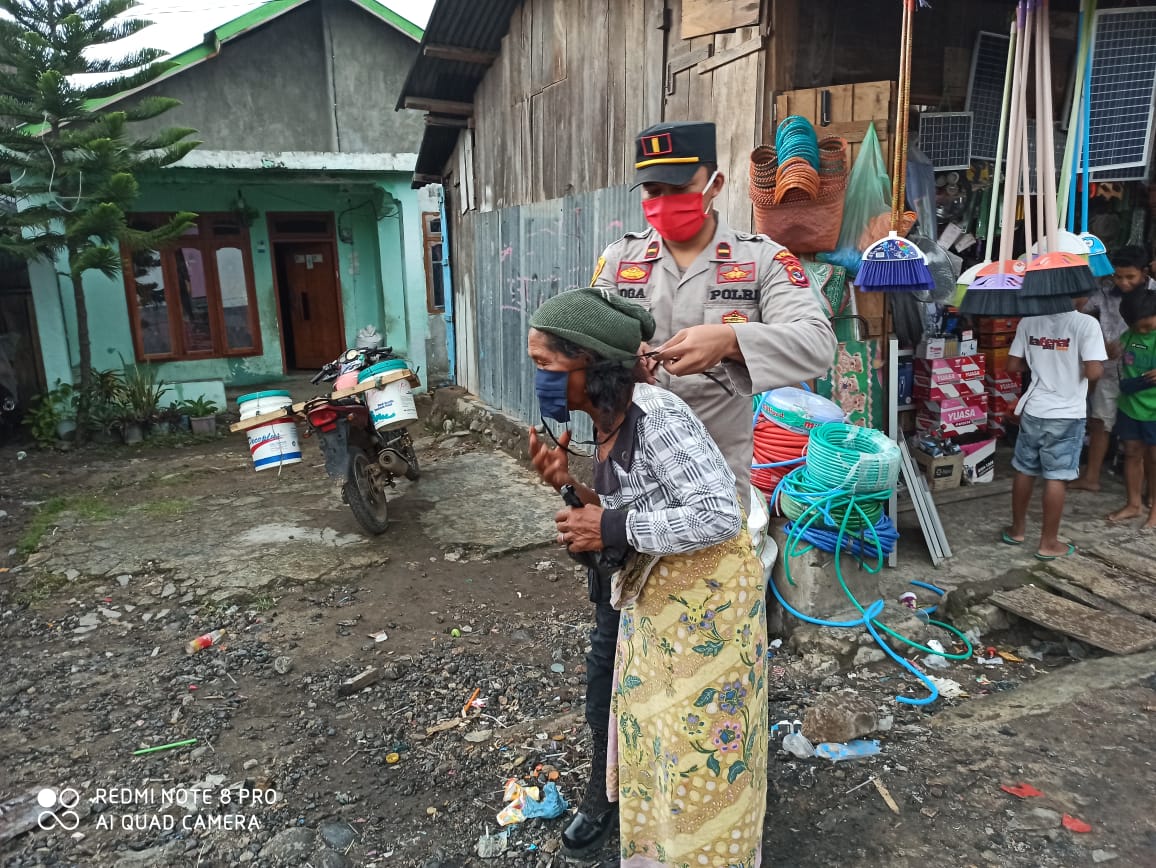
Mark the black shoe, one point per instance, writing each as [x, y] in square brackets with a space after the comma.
[587, 835]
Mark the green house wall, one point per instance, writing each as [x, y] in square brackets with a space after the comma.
[382, 273]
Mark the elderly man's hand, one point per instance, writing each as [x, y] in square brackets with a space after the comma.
[551, 463]
[580, 530]
[699, 348]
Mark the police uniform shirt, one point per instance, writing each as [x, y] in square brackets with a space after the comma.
[747, 282]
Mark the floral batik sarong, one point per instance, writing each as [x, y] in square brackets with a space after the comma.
[688, 729]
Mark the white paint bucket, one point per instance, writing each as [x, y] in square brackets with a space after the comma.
[275, 443]
[391, 406]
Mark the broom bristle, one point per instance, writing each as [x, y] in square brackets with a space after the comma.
[1003, 304]
[1101, 265]
[904, 275]
[1072, 281]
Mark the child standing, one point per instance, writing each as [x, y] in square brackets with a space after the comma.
[1136, 425]
[1131, 264]
[1064, 351]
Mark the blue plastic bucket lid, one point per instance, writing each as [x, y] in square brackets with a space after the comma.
[383, 368]
[258, 395]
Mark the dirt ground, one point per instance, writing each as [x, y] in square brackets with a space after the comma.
[114, 558]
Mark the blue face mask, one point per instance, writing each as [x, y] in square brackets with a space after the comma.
[551, 387]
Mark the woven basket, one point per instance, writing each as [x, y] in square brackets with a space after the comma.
[764, 166]
[805, 227]
[833, 155]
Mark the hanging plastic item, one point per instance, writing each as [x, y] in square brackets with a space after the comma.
[867, 206]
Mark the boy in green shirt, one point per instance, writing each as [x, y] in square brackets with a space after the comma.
[1136, 425]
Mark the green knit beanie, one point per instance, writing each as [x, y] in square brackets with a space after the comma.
[601, 322]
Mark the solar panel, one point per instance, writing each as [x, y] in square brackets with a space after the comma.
[985, 92]
[1123, 89]
[945, 137]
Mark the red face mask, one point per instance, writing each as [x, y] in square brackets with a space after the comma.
[679, 216]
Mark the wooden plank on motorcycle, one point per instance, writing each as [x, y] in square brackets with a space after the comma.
[375, 383]
[263, 419]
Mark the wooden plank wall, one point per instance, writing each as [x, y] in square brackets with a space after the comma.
[576, 79]
[558, 110]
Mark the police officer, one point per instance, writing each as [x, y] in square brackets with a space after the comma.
[735, 316]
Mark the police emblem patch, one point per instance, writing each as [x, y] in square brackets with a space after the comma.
[634, 272]
[738, 272]
[793, 267]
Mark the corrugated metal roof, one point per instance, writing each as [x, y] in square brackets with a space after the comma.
[436, 146]
[477, 25]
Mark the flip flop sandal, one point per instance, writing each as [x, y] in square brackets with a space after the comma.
[1071, 551]
[1009, 540]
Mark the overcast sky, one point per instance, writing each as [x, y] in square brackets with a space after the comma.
[181, 24]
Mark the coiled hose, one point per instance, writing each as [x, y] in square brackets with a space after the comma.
[838, 520]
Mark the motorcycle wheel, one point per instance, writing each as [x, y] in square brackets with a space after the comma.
[366, 500]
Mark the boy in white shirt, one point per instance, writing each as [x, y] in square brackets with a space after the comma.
[1064, 352]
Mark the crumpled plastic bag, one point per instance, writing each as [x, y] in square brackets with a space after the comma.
[525, 804]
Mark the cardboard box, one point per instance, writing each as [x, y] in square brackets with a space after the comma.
[979, 462]
[932, 348]
[954, 416]
[996, 342]
[996, 360]
[1003, 392]
[943, 472]
[968, 347]
[942, 372]
[1003, 378]
[991, 325]
[926, 390]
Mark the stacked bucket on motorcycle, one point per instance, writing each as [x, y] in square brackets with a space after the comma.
[275, 443]
[391, 406]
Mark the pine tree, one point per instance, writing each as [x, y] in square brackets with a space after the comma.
[69, 163]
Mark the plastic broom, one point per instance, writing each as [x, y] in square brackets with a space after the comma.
[1098, 261]
[894, 264]
[1055, 273]
[1006, 273]
[965, 279]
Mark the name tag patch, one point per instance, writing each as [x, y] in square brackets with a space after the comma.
[719, 294]
[634, 272]
[631, 292]
[735, 316]
[736, 272]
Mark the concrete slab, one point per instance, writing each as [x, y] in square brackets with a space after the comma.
[487, 501]
[1068, 685]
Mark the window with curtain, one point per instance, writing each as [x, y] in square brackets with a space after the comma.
[194, 299]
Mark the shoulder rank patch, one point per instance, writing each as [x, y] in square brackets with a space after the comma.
[736, 272]
[634, 272]
[598, 270]
[652, 250]
[722, 251]
[793, 267]
[735, 316]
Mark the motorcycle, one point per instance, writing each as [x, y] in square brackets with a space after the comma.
[367, 460]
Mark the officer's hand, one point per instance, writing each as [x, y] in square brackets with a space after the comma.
[552, 465]
[647, 365]
[699, 348]
[580, 530]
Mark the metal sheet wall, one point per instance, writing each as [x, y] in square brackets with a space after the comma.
[519, 257]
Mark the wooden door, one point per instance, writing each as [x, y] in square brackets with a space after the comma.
[314, 300]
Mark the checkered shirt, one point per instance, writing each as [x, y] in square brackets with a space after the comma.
[670, 479]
